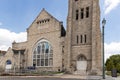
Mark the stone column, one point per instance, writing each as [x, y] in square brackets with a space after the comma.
[19, 57]
[94, 27]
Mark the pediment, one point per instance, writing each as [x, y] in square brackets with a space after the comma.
[44, 17]
[9, 52]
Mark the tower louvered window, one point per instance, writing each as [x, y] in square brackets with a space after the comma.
[82, 13]
[77, 39]
[81, 39]
[77, 14]
[85, 38]
[87, 12]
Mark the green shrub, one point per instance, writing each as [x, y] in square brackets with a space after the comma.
[108, 73]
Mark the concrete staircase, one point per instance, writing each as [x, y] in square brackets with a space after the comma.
[80, 72]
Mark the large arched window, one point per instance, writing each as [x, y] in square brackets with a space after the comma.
[8, 62]
[43, 54]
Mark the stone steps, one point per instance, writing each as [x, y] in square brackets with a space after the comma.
[80, 72]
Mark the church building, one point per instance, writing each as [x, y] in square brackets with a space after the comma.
[49, 47]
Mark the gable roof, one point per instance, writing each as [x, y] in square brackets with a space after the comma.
[43, 11]
[2, 52]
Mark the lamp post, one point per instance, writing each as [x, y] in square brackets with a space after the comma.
[103, 25]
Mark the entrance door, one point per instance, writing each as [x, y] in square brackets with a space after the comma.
[8, 65]
[81, 63]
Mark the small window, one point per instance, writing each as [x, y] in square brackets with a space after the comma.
[77, 39]
[76, 0]
[38, 22]
[48, 20]
[45, 21]
[82, 13]
[81, 38]
[62, 49]
[77, 15]
[87, 12]
[42, 21]
[85, 38]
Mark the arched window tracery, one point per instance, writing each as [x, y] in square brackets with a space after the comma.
[43, 54]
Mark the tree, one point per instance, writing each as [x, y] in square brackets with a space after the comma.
[113, 62]
[109, 65]
[118, 68]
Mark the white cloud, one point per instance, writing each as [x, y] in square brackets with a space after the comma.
[112, 49]
[7, 37]
[110, 5]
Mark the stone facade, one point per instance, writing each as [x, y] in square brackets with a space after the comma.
[49, 47]
[83, 35]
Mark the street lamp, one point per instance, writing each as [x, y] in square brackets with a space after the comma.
[103, 25]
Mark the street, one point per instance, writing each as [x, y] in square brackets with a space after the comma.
[33, 78]
[51, 78]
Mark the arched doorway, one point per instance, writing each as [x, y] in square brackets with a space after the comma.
[8, 65]
[81, 63]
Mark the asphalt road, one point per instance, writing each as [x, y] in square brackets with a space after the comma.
[49, 78]
[32, 78]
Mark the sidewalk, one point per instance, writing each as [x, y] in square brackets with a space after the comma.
[89, 77]
[111, 78]
[82, 77]
[69, 76]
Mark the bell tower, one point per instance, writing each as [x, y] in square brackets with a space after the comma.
[83, 40]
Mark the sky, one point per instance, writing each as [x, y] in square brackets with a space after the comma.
[17, 15]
